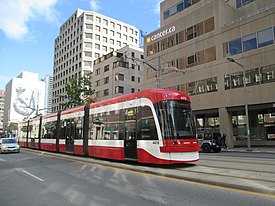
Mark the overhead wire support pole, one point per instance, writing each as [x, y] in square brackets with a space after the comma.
[157, 68]
[245, 102]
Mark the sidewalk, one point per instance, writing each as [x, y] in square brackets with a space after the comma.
[263, 149]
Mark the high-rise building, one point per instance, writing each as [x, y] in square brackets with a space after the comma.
[213, 42]
[115, 74]
[48, 93]
[22, 99]
[2, 99]
[83, 38]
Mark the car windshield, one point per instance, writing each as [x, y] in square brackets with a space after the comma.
[8, 141]
[175, 119]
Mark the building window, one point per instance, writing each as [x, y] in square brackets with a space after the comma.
[89, 17]
[180, 7]
[105, 31]
[97, 72]
[88, 35]
[88, 54]
[89, 26]
[104, 39]
[119, 77]
[88, 45]
[209, 25]
[97, 37]
[97, 28]
[106, 68]
[106, 80]
[98, 19]
[87, 63]
[112, 41]
[96, 55]
[133, 90]
[190, 33]
[97, 83]
[133, 78]
[105, 22]
[119, 89]
[166, 15]
[249, 42]
[106, 92]
[265, 37]
[191, 60]
[97, 46]
[235, 46]
[240, 3]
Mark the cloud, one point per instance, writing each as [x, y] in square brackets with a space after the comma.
[94, 4]
[15, 15]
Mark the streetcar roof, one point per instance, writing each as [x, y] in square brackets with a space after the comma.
[155, 95]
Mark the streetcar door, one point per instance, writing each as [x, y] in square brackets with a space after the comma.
[69, 132]
[130, 136]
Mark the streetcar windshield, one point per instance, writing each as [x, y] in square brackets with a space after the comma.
[175, 119]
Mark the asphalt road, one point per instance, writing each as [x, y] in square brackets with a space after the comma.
[35, 179]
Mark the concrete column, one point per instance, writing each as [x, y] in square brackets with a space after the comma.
[226, 126]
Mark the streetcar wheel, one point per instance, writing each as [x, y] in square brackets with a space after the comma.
[206, 148]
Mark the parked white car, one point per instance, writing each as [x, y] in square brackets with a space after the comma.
[8, 145]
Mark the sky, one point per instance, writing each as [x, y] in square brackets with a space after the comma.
[28, 29]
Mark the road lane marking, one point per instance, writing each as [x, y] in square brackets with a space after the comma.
[24, 171]
[2, 160]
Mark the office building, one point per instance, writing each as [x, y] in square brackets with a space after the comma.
[198, 37]
[83, 38]
[116, 73]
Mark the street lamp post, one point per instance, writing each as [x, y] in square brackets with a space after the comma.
[245, 102]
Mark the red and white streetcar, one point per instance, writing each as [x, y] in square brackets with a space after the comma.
[150, 126]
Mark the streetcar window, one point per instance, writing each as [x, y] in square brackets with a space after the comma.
[49, 130]
[146, 125]
[175, 119]
[107, 126]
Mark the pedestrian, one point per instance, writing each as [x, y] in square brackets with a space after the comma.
[224, 141]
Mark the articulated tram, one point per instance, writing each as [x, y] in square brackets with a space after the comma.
[150, 126]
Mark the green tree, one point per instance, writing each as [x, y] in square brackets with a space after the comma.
[79, 91]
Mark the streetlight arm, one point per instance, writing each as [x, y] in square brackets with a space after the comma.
[233, 61]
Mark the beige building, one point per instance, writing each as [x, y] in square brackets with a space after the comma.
[115, 74]
[197, 37]
[83, 38]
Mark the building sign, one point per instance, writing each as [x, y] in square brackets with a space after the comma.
[161, 34]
